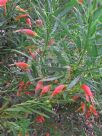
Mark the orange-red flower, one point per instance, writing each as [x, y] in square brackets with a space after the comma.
[21, 16]
[87, 110]
[3, 4]
[88, 114]
[28, 21]
[28, 32]
[22, 65]
[34, 54]
[40, 119]
[58, 90]
[82, 107]
[20, 9]
[27, 84]
[45, 89]
[22, 87]
[86, 90]
[88, 93]
[39, 86]
[93, 110]
[80, 1]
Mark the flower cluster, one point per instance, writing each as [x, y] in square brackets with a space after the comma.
[40, 119]
[88, 107]
[88, 93]
[40, 87]
[22, 65]
[24, 15]
[27, 18]
[46, 88]
[22, 87]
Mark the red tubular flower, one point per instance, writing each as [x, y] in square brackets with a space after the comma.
[39, 86]
[28, 32]
[20, 9]
[58, 90]
[80, 1]
[88, 114]
[86, 90]
[40, 119]
[45, 89]
[3, 4]
[22, 65]
[21, 16]
[88, 93]
[34, 54]
[93, 110]
[21, 86]
[82, 107]
[28, 21]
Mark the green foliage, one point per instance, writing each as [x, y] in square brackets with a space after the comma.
[70, 44]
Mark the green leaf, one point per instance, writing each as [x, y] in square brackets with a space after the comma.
[66, 9]
[74, 82]
[51, 78]
[97, 14]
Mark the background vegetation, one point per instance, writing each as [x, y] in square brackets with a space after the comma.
[66, 51]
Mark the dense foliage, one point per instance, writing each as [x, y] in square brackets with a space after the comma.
[50, 67]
